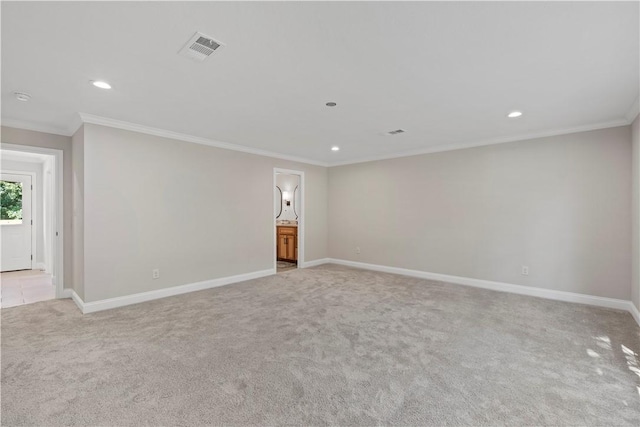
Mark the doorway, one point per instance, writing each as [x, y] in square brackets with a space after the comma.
[288, 188]
[16, 220]
[31, 263]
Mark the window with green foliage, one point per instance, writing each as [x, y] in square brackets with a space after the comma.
[11, 201]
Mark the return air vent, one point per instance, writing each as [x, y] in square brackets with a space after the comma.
[395, 132]
[200, 47]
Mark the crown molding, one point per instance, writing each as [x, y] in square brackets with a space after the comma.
[21, 124]
[76, 124]
[119, 124]
[633, 111]
[491, 141]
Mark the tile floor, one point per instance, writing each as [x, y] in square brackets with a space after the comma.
[25, 287]
[283, 266]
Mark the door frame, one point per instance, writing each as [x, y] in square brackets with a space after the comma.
[34, 216]
[301, 217]
[57, 229]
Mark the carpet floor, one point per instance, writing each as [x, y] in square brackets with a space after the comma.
[326, 345]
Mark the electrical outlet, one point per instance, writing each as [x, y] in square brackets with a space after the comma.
[155, 274]
[525, 270]
[357, 249]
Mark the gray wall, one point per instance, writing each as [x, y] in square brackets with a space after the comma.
[77, 142]
[635, 282]
[152, 202]
[559, 205]
[59, 142]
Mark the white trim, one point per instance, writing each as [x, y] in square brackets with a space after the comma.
[22, 124]
[497, 286]
[92, 119]
[491, 141]
[48, 212]
[634, 312]
[119, 124]
[110, 303]
[301, 217]
[57, 231]
[41, 266]
[315, 262]
[76, 298]
[75, 125]
[633, 111]
[107, 304]
[34, 209]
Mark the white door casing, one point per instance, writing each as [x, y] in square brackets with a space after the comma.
[17, 235]
[57, 230]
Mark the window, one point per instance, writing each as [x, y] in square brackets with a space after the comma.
[10, 202]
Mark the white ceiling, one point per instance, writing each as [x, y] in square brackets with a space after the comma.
[448, 73]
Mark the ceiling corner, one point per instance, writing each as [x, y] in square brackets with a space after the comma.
[633, 111]
[33, 126]
[75, 124]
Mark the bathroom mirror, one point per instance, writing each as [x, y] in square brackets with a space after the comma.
[296, 201]
[279, 202]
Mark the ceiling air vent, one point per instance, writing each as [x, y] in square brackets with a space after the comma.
[200, 47]
[395, 132]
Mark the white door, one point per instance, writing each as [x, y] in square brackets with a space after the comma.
[16, 222]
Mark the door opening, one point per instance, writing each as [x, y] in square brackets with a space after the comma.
[31, 263]
[16, 220]
[288, 219]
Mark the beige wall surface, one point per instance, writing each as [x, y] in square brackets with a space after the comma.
[59, 142]
[77, 143]
[635, 282]
[559, 205]
[152, 202]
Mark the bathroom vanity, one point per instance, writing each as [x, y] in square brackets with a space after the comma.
[287, 242]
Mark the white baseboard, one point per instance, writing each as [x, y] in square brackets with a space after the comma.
[110, 303]
[634, 312]
[315, 262]
[76, 298]
[499, 286]
[40, 266]
[106, 304]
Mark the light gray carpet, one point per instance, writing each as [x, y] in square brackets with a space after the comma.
[327, 345]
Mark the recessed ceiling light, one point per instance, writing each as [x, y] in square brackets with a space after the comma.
[514, 114]
[331, 104]
[335, 148]
[22, 96]
[101, 84]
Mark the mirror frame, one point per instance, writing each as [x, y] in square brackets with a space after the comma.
[279, 213]
[294, 201]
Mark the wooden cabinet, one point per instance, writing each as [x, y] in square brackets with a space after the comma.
[287, 249]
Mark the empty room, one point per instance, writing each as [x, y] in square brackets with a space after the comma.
[320, 213]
